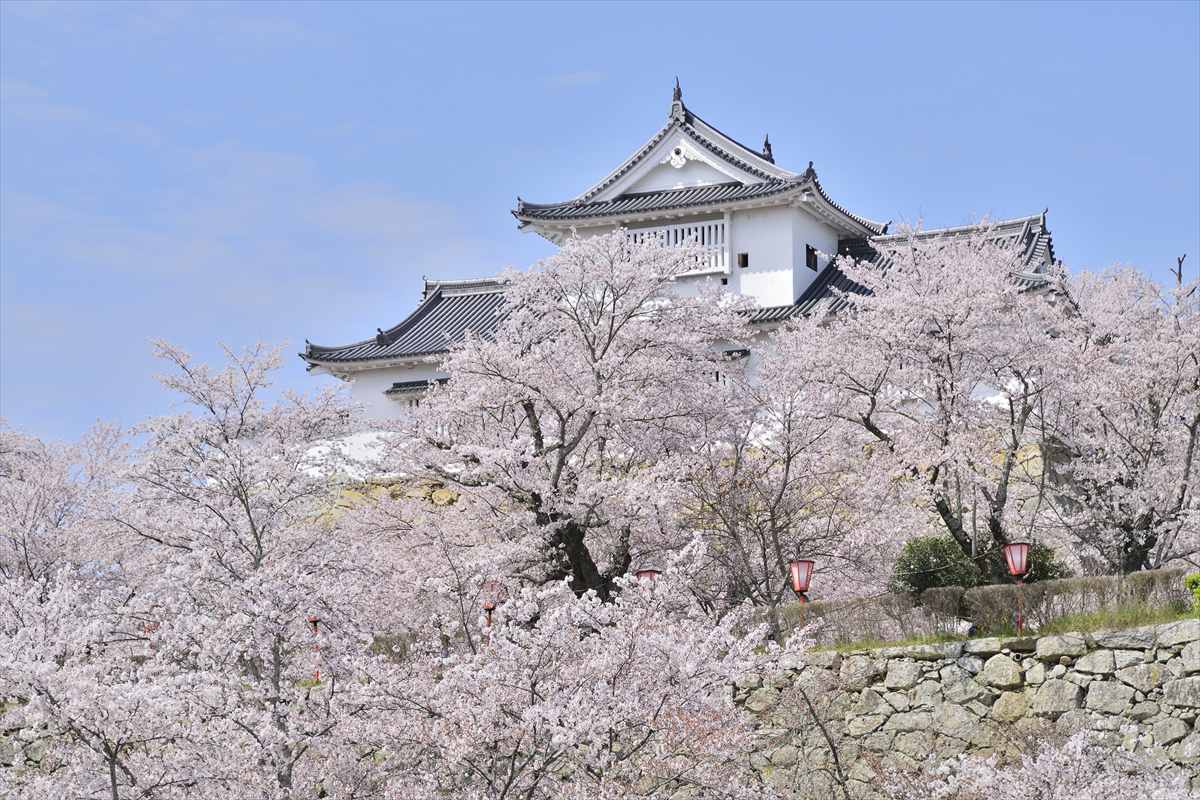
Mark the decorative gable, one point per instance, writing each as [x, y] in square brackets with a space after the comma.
[689, 167]
[677, 162]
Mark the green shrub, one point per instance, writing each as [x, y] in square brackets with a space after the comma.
[931, 562]
[1043, 565]
[1192, 582]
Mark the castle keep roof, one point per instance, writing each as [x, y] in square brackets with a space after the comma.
[753, 179]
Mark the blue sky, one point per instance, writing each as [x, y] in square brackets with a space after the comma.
[212, 172]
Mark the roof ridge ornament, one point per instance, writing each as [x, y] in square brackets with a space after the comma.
[766, 148]
[678, 111]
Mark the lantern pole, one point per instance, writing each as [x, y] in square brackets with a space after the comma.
[316, 621]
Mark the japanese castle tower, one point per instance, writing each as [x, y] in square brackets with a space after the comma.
[769, 232]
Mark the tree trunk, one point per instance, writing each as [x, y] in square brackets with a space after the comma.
[584, 573]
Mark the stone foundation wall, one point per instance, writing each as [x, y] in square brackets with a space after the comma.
[903, 707]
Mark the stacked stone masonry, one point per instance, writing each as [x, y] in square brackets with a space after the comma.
[905, 707]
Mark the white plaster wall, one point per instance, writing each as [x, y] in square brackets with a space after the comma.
[367, 388]
[767, 235]
[665, 176]
[691, 285]
[807, 229]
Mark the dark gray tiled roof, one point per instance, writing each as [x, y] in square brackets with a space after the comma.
[404, 387]
[441, 320]
[777, 182]
[683, 122]
[1029, 234]
[450, 309]
[655, 201]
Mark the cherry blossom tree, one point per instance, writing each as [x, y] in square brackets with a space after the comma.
[776, 480]
[1129, 435]
[251, 614]
[568, 696]
[579, 417]
[94, 712]
[237, 649]
[945, 365]
[49, 494]
[1074, 769]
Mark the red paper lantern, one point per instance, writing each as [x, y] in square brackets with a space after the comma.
[647, 574]
[800, 570]
[1017, 556]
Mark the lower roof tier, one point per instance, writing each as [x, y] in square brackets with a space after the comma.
[452, 309]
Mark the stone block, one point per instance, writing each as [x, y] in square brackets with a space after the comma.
[1182, 693]
[982, 647]
[1127, 658]
[1002, 672]
[963, 691]
[1191, 657]
[926, 652]
[1130, 639]
[785, 756]
[823, 659]
[1143, 677]
[902, 674]
[970, 664]
[897, 700]
[1097, 662]
[1181, 632]
[1056, 697]
[1169, 731]
[858, 672]
[1143, 711]
[1019, 644]
[908, 721]
[1052, 648]
[1109, 697]
[1186, 751]
[1010, 707]
[869, 702]
[955, 721]
[860, 726]
[927, 694]
[762, 699]
[916, 744]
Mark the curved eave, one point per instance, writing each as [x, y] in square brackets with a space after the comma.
[341, 368]
[450, 311]
[805, 190]
[313, 352]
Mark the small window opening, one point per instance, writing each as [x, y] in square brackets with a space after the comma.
[810, 256]
[743, 260]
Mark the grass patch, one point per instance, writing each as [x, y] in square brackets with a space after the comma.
[1133, 616]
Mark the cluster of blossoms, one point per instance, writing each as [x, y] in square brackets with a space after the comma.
[219, 605]
[1075, 769]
